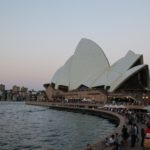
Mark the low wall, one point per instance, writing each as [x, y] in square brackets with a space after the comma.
[113, 117]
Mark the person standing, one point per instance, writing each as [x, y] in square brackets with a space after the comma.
[125, 134]
[142, 137]
[134, 132]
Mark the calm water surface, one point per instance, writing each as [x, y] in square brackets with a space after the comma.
[24, 127]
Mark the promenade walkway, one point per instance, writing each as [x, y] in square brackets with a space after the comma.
[99, 146]
[128, 145]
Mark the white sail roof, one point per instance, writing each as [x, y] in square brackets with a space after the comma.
[125, 76]
[89, 66]
[84, 63]
[88, 59]
[117, 70]
[62, 76]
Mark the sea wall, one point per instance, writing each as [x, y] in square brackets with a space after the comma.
[113, 117]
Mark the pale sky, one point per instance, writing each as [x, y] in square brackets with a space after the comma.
[38, 36]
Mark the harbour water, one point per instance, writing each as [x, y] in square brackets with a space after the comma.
[25, 127]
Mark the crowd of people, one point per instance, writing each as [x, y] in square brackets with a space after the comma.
[136, 129]
[131, 133]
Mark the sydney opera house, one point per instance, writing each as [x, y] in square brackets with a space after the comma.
[88, 69]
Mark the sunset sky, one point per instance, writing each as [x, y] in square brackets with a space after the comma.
[38, 36]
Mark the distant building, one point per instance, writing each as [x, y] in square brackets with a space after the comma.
[2, 91]
[24, 89]
[23, 93]
[9, 95]
[15, 89]
[41, 96]
[32, 95]
[2, 87]
[14, 94]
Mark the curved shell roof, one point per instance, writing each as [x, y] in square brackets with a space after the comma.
[89, 66]
[85, 62]
[88, 59]
[125, 76]
[62, 75]
[117, 70]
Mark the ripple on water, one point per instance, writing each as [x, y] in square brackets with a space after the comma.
[38, 128]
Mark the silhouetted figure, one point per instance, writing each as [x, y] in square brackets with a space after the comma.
[142, 136]
[125, 134]
[134, 132]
